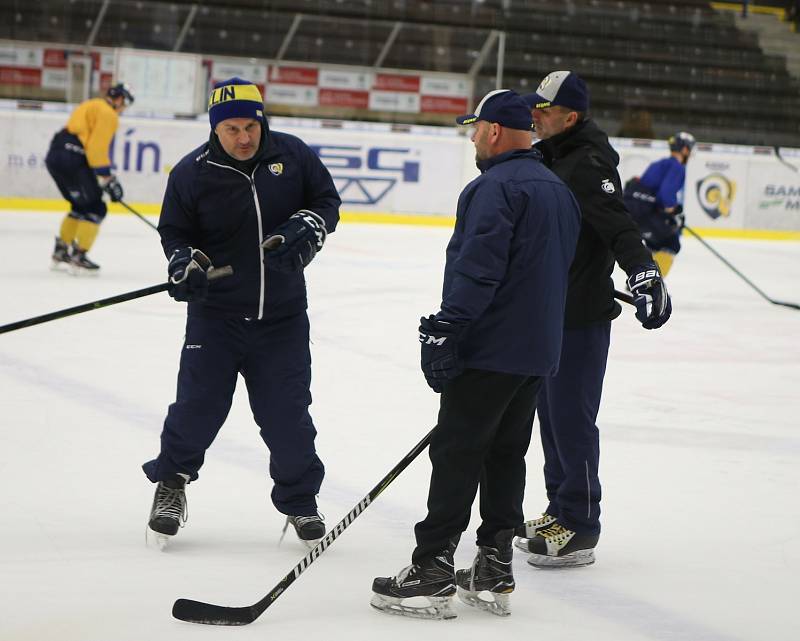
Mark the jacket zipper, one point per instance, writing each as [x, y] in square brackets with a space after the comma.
[252, 180]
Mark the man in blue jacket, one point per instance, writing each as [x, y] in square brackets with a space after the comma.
[262, 202]
[498, 332]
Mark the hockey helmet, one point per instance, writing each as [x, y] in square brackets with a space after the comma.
[680, 140]
[121, 89]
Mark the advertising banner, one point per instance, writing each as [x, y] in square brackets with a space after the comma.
[383, 171]
[374, 171]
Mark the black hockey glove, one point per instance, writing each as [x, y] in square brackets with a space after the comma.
[293, 244]
[653, 305]
[188, 281]
[439, 360]
[113, 189]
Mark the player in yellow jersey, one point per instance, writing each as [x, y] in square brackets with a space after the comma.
[79, 162]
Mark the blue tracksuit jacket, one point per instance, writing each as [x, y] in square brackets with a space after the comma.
[212, 206]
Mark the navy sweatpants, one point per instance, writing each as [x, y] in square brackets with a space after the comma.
[74, 178]
[568, 407]
[275, 362]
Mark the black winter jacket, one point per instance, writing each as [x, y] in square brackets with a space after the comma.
[211, 205]
[583, 158]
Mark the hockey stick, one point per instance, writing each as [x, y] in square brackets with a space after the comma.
[199, 612]
[783, 160]
[213, 274]
[737, 272]
[625, 298]
[136, 213]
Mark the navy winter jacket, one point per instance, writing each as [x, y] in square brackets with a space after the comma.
[505, 279]
[211, 205]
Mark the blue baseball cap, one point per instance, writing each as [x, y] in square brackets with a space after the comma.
[562, 88]
[503, 106]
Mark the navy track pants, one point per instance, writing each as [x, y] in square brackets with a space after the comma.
[568, 407]
[274, 359]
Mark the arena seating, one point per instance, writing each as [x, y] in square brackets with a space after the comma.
[685, 64]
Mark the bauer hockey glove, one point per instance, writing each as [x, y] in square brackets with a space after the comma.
[292, 245]
[112, 187]
[439, 359]
[653, 305]
[188, 280]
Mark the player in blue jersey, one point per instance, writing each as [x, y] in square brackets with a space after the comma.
[655, 200]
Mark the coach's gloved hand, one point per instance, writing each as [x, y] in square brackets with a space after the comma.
[439, 360]
[292, 245]
[111, 186]
[188, 280]
[653, 305]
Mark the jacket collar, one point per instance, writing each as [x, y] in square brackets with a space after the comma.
[488, 163]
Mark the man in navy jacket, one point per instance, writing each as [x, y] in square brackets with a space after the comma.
[263, 203]
[497, 334]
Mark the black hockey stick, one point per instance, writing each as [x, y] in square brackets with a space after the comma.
[213, 274]
[199, 612]
[136, 213]
[625, 298]
[737, 272]
[783, 160]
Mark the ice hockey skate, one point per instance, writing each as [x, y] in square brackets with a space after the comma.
[531, 528]
[169, 511]
[422, 590]
[489, 582]
[558, 547]
[309, 529]
[61, 258]
[80, 265]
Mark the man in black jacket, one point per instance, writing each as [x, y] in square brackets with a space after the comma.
[579, 153]
[262, 202]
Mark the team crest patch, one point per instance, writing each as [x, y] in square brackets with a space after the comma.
[608, 186]
[276, 168]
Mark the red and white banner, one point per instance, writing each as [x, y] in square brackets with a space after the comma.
[290, 84]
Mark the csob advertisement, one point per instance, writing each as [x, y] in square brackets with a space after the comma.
[417, 173]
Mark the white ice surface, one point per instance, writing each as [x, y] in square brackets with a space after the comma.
[700, 432]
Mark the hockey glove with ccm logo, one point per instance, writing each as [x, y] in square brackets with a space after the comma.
[439, 359]
[293, 244]
[188, 280]
[653, 304]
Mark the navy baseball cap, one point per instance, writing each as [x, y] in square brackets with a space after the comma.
[503, 106]
[562, 88]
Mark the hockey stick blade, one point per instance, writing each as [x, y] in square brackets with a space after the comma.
[209, 614]
[199, 612]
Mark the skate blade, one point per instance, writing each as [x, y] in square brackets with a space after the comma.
[81, 272]
[521, 543]
[437, 608]
[572, 560]
[156, 540]
[59, 266]
[492, 602]
[310, 543]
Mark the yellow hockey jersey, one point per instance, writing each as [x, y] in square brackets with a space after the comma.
[95, 122]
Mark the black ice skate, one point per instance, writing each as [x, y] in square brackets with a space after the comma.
[558, 547]
[433, 579]
[169, 511]
[309, 529]
[60, 257]
[531, 528]
[489, 582]
[80, 263]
